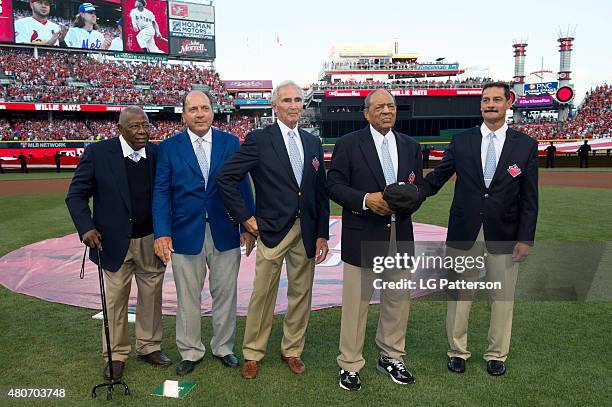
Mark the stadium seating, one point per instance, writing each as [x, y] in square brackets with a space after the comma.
[74, 78]
[404, 84]
[70, 129]
[593, 120]
[69, 77]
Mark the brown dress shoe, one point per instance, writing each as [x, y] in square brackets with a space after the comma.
[249, 369]
[157, 358]
[117, 370]
[295, 364]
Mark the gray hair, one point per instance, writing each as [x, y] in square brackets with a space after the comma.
[129, 111]
[274, 98]
[369, 97]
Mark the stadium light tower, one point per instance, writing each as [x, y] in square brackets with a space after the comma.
[519, 72]
[566, 41]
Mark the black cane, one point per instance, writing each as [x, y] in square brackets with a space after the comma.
[112, 382]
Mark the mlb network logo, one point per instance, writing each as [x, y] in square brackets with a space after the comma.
[179, 10]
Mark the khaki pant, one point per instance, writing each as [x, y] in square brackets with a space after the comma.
[357, 291]
[189, 273]
[140, 261]
[498, 268]
[300, 275]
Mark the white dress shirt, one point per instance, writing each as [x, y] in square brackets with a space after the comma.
[206, 143]
[500, 138]
[378, 142]
[285, 132]
[127, 150]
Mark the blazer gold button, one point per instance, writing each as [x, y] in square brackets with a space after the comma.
[388, 225]
[299, 194]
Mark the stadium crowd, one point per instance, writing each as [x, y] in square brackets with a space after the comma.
[21, 129]
[80, 78]
[593, 119]
[74, 78]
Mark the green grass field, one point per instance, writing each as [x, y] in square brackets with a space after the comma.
[16, 176]
[560, 352]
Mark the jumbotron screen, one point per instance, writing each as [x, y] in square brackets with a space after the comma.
[140, 26]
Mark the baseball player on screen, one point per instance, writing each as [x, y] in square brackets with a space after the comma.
[117, 43]
[84, 33]
[38, 29]
[143, 22]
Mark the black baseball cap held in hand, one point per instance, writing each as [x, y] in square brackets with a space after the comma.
[402, 197]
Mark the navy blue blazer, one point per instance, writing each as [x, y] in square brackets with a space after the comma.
[182, 201]
[356, 170]
[101, 174]
[507, 210]
[279, 198]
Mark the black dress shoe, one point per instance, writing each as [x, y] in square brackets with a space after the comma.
[229, 360]
[496, 367]
[157, 358]
[456, 364]
[186, 366]
[117, 370]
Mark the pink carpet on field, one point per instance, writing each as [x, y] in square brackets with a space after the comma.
[49, 270]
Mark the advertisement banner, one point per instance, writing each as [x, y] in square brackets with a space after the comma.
[60, 107]
[36, 151]
[239, 102]
[248, 84]
[192, 47]
[539, 101]
[142, 57]
[145, 29]
[188, 11]
[8, 145]
[436, 67]
[535, 89]
[405, 92]
[192, 29]
[6, 21]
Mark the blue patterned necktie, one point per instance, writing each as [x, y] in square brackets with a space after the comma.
[387, 163]
[294, 157]
[202, 160]
[135, 156]
[490, 164]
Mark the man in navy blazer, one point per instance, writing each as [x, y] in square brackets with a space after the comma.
[119, 175]
[494, 213]
[291, 220]
[364, 162]
[193, 227]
